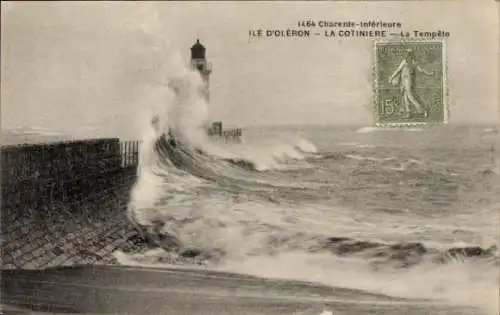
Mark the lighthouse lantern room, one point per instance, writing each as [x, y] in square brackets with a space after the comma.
[200, 63]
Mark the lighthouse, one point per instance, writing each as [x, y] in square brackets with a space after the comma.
[200, 63]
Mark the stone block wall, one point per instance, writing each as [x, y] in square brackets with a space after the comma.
[61, 206]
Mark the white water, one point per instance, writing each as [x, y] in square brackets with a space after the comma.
[458, 283]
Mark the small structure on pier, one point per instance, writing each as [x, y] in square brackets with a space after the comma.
[199, 62]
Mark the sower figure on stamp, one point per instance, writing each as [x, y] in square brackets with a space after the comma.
[406, 73]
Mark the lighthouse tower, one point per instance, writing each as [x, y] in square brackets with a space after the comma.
[200, 63]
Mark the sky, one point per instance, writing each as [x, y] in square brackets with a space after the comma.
[69, 66]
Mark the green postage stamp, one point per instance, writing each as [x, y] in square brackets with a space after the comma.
[410, 83]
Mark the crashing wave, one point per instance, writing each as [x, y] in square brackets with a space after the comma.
[197, 201]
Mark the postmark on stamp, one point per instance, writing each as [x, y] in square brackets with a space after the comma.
[410, 83]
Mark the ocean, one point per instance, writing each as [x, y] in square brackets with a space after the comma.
[411, 213]
[294, 220]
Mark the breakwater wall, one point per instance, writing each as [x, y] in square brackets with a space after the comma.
[35, 173]
[65, 201]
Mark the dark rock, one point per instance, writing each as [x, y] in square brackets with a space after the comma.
[407, 254]
[242, 163]
[466, 252]
[407, 248]
[161, 238]
[334, 239]
[213, 254]
[153, 236]
[347, 248]
[191, 252]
